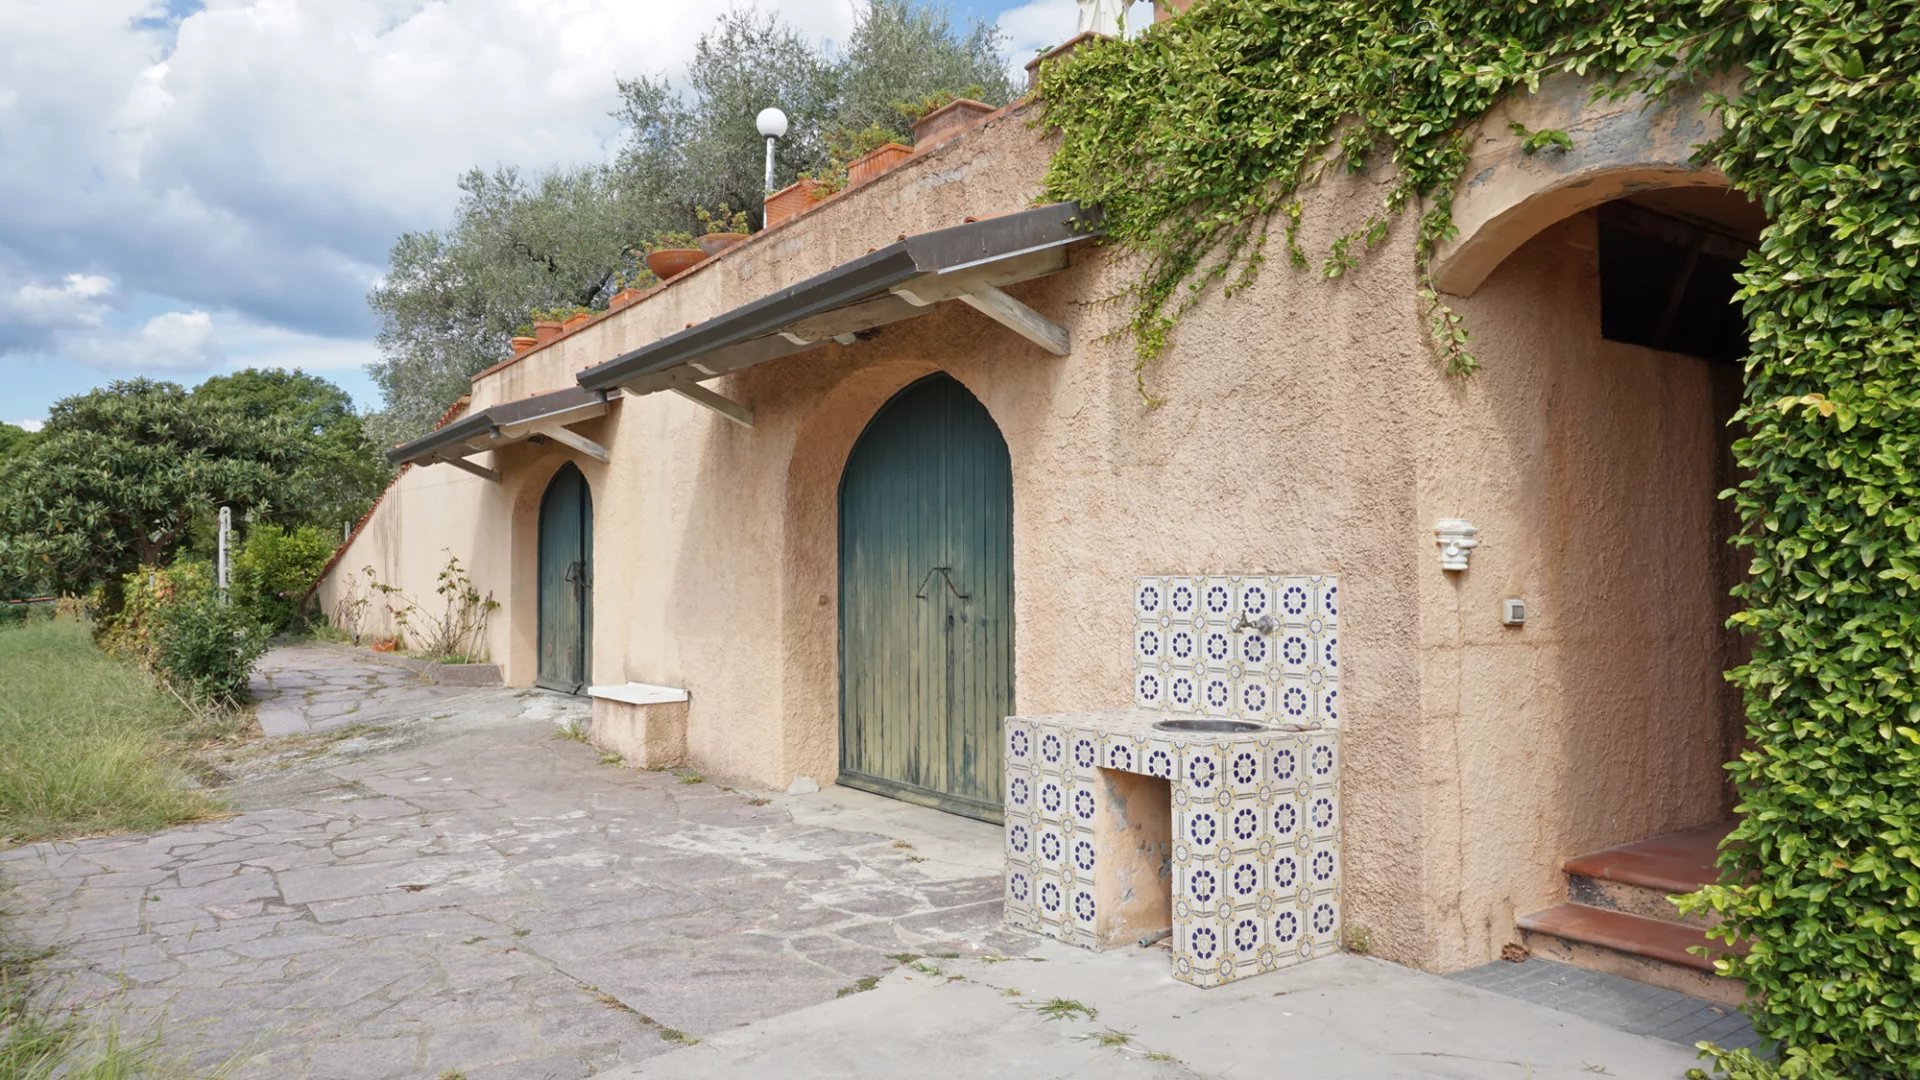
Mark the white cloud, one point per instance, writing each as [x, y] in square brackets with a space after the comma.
[260, 156]
[1042, 24]
[168, 343]
[77, 300]
[30, 425]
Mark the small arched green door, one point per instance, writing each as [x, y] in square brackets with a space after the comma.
[926, 601]
[566, 582]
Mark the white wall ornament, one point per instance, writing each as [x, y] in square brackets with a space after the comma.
[1457, 539]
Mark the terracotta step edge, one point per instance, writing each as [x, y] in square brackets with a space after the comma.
[1597, 865]
[1650, 938]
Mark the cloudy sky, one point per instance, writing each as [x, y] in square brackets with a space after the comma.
[188, 187]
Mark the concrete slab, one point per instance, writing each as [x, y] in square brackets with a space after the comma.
[1123, 1015]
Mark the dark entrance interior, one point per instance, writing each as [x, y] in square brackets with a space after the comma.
[926, 601]
[566, 583]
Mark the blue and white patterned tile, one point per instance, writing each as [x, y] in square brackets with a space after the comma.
[1018, 840]
[1246, 825]
[1050, 748]
[1050, 797]
[1287, 820]
[1322, 813]
[1216, 694]
[1244, 767]
[1323, 870]
[1294, 601]
[1329, 706]
[1253, 697]
[1296, 701]
[1121, 752]
[1286, 762]
[1083, 803]
[1216, 648]
[1019, 896]
[1216, 599]
[1322, 761]
[1293, 651]
[1149, 600]
[1050, 847]
[1019, 793]
[1083, 856]
[1050, 899]
[1183, 602]
[1149, 646]
[1202, 770]
[1323, 924]
[1201, 829]
[1083, 754]
[1162, 758]
[1286, 881]
[1254, 598]
[1326, 589]
[1019, 745]
[1149, 688]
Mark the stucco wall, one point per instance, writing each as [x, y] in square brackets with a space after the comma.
[425, 516]
[1306, 426]
[1592, 469]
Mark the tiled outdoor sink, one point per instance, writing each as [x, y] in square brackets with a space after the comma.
[1118, 828]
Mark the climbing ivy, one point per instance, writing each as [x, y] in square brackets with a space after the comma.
[1196, 139]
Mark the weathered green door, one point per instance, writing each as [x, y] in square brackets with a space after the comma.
[926, 601]
[566, 582]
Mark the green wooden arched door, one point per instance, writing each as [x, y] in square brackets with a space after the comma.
[566, 583]
[926, 601]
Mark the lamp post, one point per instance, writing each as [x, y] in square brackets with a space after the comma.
[772, 124]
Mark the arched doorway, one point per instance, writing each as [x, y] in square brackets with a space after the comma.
[926, 601]
[566, 583]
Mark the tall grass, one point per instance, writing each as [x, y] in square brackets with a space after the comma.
[88, 744]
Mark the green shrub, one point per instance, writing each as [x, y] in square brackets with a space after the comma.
[206, 648]
[174, 622]
[273, 571]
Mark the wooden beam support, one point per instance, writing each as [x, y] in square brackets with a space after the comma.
[576, 441]
[995, 304]
[706, 398]
[464, 465]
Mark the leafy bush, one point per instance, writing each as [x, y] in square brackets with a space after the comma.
[206, 648]
[174, 621]
[273, 571]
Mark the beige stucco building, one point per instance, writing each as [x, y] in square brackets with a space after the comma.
[1303, 424]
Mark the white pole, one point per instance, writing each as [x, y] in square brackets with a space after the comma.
[226, 526]
[769, 164]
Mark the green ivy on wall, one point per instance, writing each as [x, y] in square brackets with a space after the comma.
[1195, 140]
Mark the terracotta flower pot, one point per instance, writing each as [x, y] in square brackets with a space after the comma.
[574, 322]
[715, 243]
[545, 330]
[624, 297]
[385, 644]
[668, 263]
[524, 344]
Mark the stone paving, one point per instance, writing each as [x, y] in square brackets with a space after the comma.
[1616, 1002]
[468, 890]
[308, 688]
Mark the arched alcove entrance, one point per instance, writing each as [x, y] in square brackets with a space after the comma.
[1613, 349]
[565, 602]
[926, 601]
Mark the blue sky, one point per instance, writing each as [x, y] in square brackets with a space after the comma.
[189, 187]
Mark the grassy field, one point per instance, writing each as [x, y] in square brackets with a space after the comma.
[88, 744]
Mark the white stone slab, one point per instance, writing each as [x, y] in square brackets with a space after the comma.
[637, 693]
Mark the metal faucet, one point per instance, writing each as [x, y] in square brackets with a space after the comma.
[1264, 623]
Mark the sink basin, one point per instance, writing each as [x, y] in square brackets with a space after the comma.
[1210, 727]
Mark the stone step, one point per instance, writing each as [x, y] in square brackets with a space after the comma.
[1631, 899]
[1651, 951]
[1637, 878]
